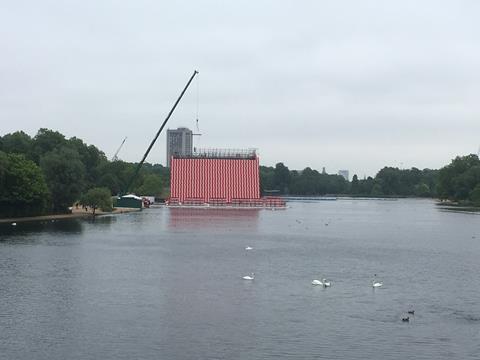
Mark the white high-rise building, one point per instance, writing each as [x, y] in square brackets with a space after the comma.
[179, 142]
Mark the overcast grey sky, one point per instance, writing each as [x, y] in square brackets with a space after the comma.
[343, 84]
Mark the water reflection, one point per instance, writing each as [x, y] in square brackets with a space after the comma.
[102, 220]
[23, 229]
[211, 218]
[459, 209]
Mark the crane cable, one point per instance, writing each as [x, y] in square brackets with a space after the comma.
[198, 91]
[197, 127]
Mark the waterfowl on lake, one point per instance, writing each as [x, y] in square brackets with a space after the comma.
[375, 283]
[326, 283]
[317, 282]
[411, 312]
[248, 248]
[249, 277]
[406, 319]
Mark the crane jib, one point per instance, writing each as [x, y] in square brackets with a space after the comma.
[137, 169]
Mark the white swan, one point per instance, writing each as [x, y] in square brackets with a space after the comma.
[326, 283]
[317, 282]
[248, 248]
[375, 283]
[249, 277]
[14, 224]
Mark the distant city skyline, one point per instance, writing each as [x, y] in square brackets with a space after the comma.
[341, 85]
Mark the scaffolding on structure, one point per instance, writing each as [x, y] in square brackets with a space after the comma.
[215, 153]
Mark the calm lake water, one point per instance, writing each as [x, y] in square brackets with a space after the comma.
[167, 284]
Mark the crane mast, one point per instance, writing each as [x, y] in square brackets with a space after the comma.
[137, 169]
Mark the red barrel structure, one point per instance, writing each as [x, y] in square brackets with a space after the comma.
[214, 180]
[218, 178]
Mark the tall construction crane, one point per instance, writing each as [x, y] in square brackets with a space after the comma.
[137, 169]
[115, 157]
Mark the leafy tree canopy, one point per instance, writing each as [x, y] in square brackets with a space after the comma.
[65, 174]
[97, 198]
[458, 179]
[152, 186]
[23, 190]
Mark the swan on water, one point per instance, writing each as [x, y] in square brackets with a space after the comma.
[375, 283]
[14, 224]
[248, 248]
[317, 282]
[249, 277]
[326, 283]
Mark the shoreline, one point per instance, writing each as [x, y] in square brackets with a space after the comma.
[75, 214]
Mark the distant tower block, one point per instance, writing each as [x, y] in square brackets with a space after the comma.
[179, 143]
[344, 173]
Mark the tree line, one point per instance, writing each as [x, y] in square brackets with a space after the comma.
[47, 173]
[389, 181]
[458, 181]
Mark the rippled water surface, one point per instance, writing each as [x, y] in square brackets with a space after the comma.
[167, 284]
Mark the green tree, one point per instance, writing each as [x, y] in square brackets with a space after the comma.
[17, 143]
[65, 175]
[366, 186]
[475, 195]
[355, 186]
[459, 178]
[389, 180]
[111, 182]
[122, 172]
[45, 141]
[422, 190]
[97, 198]
[377, 190]
[152, 186]
[23, 191]
[281, 178]
[267, 181]
[91, 157]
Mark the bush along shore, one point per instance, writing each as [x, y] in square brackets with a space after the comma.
[47, 173]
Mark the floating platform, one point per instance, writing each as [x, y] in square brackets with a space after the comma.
[268, 202]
